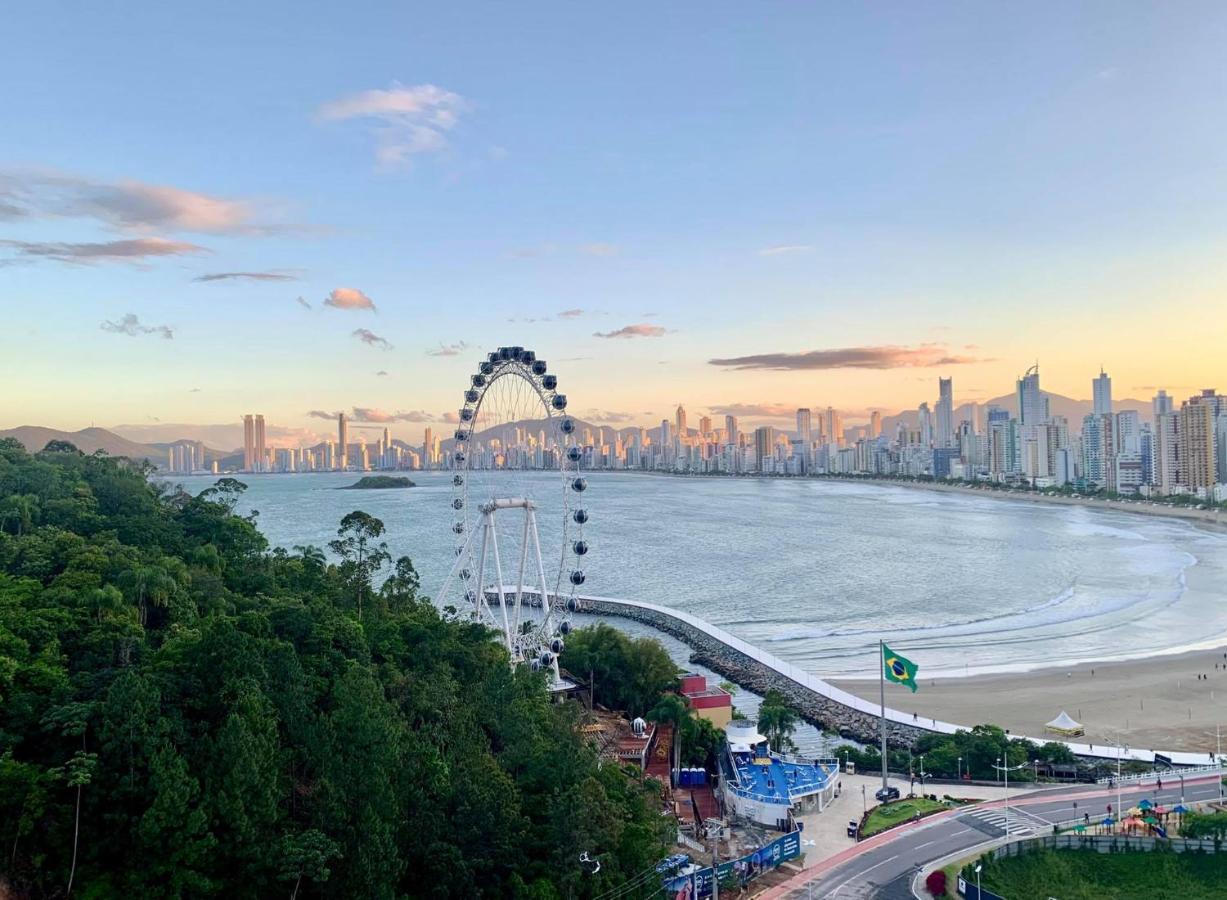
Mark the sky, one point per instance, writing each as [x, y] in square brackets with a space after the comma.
[284, 208]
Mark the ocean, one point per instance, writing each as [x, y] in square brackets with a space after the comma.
[818, 571]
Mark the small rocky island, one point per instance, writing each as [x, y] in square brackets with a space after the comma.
[377, 482]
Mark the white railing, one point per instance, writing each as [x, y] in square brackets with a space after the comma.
[1170, 774]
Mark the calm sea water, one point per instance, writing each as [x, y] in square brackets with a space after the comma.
[816, 572]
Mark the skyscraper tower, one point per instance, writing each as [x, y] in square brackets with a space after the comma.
[1161, 404]
[730, 430]
[428, 449]
[1032, 404]
[249, 443]
[805, 428]
[681, 422]
[261, 453]
[875, 423]
[943, 436]
[926, 425]
[1101, 389]
[342, 441]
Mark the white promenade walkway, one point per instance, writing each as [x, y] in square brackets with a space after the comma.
[818, 686]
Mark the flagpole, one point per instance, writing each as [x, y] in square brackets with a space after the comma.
[882, 692]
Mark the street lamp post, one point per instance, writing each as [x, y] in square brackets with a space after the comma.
[1005, 773]
[979, 895]
[959, 777]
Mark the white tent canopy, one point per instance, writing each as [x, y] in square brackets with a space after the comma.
[1064, 724]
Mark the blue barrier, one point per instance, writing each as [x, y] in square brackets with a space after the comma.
[744, 869]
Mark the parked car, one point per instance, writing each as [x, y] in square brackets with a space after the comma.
[886, 794]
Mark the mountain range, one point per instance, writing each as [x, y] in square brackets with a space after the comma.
[90, 440]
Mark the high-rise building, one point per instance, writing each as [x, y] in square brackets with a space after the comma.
[943, 436]
[1165, 453]
[834, 427]
[1196, 440]
[428, 452]
[342, 441]
[1161, 404]
[1099, 451]
[680, 418]
[249, 443]
[875, 424]
[926, 425]
[730, 430]
[1128, 432]
[1101, 389]
[261, 451]
[1032, 404]
[805, 428]
[704, 426]
[764, 447]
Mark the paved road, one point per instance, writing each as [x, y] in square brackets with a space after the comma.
[882, 868]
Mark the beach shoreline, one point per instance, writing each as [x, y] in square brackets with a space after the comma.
[1177, 701]
[1140, 506]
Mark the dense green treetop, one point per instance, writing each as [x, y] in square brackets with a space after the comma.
[185, 712]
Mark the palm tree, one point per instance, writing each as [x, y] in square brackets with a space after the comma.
[21, 508]
[777, 721]
[673, 710]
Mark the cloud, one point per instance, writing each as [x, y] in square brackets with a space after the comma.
[448, 349]
[381, 372]
[132, 327]
[608, 416]
[570, 314]
[450, 417]
[321, 414]
[193, 390]
[783, 249]
[246, 276]
[128, 205]
[108, 251]
[301, 301]
[378, 416]
[755, 410]
[885, 357]
[598, 249]
[632, 331]
[408, 120]
[348, 298]
[369, 337]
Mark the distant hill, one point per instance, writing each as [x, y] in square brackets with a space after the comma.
[87, 440]
[1058, 405]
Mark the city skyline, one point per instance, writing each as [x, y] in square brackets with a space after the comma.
[348, 235]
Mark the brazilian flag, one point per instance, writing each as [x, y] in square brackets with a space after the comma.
[898, 669]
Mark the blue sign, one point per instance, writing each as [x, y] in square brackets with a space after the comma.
[699, 883]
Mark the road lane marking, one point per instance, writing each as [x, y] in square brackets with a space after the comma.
[861, 873]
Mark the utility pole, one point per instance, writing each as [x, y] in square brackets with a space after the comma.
[882, 693]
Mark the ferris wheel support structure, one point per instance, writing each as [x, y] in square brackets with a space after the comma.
[494, 479]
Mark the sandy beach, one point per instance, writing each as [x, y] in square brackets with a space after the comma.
[1157, 703]
[1140, 506]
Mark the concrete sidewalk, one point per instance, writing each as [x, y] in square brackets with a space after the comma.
[828, 829]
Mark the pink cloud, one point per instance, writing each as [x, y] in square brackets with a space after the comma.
[348, 298]
[632, 331]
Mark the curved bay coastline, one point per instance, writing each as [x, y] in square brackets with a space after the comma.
[815, 570]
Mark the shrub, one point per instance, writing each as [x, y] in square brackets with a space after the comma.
[935, 884]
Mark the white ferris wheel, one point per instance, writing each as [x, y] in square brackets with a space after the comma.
[516, 460]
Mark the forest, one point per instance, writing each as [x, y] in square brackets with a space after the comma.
[187, 712]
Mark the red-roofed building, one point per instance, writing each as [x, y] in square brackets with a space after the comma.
[713, 703]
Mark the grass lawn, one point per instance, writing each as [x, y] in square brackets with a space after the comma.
[1088, 875]
[888, 814]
